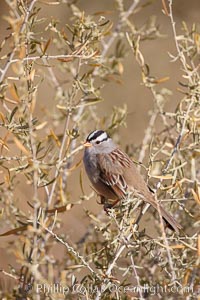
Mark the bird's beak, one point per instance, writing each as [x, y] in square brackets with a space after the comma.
[87, 144]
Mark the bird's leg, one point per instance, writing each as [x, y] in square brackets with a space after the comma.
[102, 199]
[114, 203]
[104, 202]
[107, 205]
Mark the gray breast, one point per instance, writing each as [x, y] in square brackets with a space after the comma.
[90, 163]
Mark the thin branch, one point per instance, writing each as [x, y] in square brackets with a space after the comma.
[180, 53]
[9, 275]
[139, 287]
[60, 156]
[118, 27]
[10, 59]
[72, 250]
[48, 57]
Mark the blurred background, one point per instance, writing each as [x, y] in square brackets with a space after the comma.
[129, 90]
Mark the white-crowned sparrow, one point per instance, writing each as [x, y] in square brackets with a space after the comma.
[112, 174]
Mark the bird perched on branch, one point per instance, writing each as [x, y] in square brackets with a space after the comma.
[113, 174]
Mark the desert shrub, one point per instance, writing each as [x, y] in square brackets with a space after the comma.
[51, 82]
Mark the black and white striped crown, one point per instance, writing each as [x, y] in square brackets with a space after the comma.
[97, 135]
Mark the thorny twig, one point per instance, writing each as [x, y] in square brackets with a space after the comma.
[70, 249]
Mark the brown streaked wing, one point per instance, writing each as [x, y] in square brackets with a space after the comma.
[112, 173]
[121, 157]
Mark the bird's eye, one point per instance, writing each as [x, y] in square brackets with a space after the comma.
[97, 142]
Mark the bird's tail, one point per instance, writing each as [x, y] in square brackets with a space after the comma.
[171, 222]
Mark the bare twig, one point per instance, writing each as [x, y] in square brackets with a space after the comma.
[10, 59]
[60, 156]
[117, 29]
